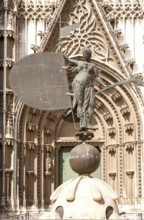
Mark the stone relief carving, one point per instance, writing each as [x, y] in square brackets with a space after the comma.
[48, 164]
[88, 34]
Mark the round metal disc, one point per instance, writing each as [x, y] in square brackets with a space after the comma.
[39, 81]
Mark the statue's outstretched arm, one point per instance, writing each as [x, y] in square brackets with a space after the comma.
[71, 69]
[70, 60]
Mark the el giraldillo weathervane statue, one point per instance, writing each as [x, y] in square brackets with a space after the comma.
[83, 96]
[39, 81]
[83, 88]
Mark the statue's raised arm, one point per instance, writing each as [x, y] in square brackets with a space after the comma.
[70, 60]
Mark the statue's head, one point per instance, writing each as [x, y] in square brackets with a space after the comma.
[87, 52]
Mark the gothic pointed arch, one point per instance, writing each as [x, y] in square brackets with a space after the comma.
[43, 133]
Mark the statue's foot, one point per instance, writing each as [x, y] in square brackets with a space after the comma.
[84, 135]
[93, 128]
[83, 128]
[87, 128]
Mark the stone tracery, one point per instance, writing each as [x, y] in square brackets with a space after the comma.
[89, 33]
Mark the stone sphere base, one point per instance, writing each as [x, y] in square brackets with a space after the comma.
[84, 159]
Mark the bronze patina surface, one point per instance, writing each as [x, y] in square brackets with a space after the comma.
[39, 81]
[83, 87]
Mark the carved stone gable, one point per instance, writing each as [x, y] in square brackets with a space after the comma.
[83, 23]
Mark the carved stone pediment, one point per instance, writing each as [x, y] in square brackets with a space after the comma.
[91, 29]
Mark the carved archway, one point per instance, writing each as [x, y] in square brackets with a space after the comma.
[42, 133]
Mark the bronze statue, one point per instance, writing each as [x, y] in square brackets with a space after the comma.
[83, 88]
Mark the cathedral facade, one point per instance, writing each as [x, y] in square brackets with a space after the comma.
[35, 144]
